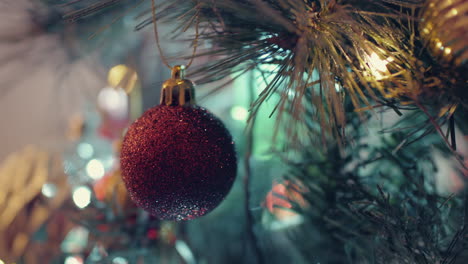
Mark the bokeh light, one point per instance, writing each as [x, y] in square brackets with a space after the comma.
[378, 66]
[74, 260]
[239, 113]
[85, 150]
[119, 260]
[114, 101]
[49, 190]
[95, 169]
[82, 197]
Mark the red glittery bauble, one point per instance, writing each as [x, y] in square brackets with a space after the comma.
[178, 162]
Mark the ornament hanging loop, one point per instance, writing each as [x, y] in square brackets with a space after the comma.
[156, 35]
[177, 90]
[178, 72]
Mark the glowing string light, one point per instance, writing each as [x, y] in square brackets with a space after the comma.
[95, 169]
[85, 150]
[73, 260]
[114, 101]
[49, 190]
[119, 260]
[239, 113]
[82, 197]
[378, 66]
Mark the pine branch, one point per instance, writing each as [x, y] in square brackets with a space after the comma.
[383, 208]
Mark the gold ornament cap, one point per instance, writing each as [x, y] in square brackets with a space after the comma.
[178, 90]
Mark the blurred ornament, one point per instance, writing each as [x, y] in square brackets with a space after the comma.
[97, 130]
[124, 77]
[152, 233]
[178, 160]
[168, 233]
[91, 156]
[111, 129]
[113, 104]
[282, 198]
[115, 100]
[443, 26]
[111, 190]
[450, 177]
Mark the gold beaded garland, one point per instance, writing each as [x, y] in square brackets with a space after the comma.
[444, 27]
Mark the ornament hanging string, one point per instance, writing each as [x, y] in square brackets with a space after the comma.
[156, 36]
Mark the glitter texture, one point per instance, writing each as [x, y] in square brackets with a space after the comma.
[178, 162]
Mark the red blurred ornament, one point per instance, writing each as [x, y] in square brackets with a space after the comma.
[103, 228]
[114, 109]
[112, 129]
[152, 234]
[279, 201]
[178, 160]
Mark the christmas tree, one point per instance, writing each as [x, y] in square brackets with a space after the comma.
[347, 120]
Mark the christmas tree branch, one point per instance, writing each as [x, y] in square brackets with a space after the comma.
[250, 222]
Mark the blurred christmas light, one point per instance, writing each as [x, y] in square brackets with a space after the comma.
[119, 260]
[49, 190]
[1, 262]
[185, 252]
[378, 66]
[95, 169]
[448, 51]
[97, 254]
[289, 222]
[109, 161]
[74, 260]
[114, 101]
[85, 150]
[82, 197]
[453, 12]
[76, 240]
[239, 113]
[338, 87]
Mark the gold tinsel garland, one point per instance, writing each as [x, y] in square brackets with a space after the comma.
[25, 207]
